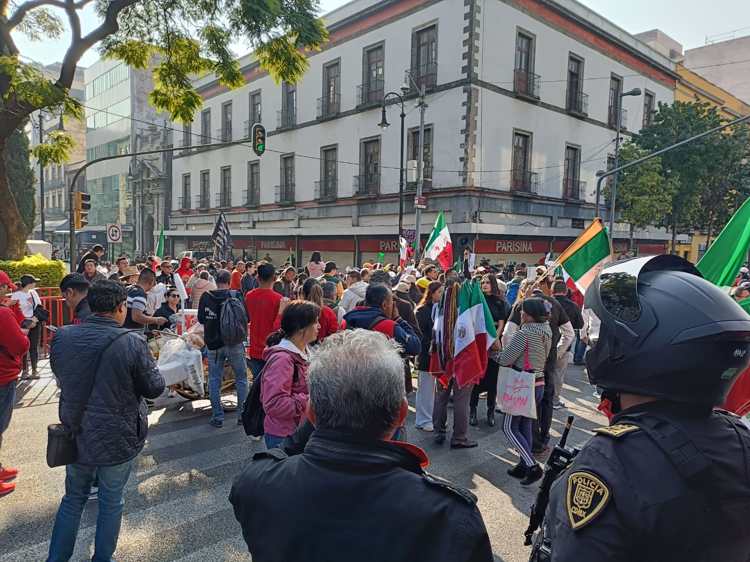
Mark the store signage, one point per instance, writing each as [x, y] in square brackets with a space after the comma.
[511, 246]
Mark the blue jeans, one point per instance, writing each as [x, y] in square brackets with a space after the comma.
[235, 354]
[7, 401]
[78, 480]
[272, 441]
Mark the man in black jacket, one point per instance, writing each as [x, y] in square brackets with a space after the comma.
[564, 356]
[104, 372]
[352, 492]
[95, 253]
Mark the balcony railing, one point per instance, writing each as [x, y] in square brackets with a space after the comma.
[574, 189]
[202, 202]
[224, 199]
[286, 118]
[183, 203]
[578, 103]
[524, 181]
[285, 194]
[366, 185]
[612, 117]
[526, 84]
[251, 198]
[426, 180]
[328, 106]
[224, 134]
[370, 93]
[326, 189]
[425, 75]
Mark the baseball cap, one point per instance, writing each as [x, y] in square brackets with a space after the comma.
[5, 280]
[73, 280]
[423, 283]
[27, 279]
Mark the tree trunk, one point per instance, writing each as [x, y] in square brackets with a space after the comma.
[674, 238]
[709, 230]
[632, 238]
[13, 231]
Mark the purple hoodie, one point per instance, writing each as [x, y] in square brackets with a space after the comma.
[284, 400]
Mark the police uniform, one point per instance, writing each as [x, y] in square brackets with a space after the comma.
[348, 500]
[660, 484]
[668, 480]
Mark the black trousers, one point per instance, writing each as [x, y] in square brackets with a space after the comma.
[545, 410]
[488, 384]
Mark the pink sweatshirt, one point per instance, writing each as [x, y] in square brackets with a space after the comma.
[284, 401]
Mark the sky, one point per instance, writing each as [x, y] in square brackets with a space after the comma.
[690, 22]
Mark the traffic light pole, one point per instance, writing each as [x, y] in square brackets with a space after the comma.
[79, 171]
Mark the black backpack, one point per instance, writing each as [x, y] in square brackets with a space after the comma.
[253, 414]
[232, 320]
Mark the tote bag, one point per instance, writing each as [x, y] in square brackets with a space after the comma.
[516, 393]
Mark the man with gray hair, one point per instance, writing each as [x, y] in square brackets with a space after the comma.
[360, 489]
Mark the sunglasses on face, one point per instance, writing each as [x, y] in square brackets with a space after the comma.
[173, 295]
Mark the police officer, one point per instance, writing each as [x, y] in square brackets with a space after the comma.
[669, 479]
[353, 494]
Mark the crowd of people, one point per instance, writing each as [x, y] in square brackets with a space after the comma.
[334, 353]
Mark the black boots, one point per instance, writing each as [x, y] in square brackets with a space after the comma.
[532, 475]
[491, 417]
[473, 417]
[518, 471]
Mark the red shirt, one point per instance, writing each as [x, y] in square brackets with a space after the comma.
[262, 307]
[329, 323]
[236, 280]
[15, 344]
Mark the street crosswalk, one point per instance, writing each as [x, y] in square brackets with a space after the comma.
[176, 501]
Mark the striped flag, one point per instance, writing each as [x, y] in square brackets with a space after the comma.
[474, 334]
[403, 252]
[439, 247]
[584, 258]
[222, 239]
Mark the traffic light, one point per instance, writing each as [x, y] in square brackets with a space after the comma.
[82, 205]
[259, 139]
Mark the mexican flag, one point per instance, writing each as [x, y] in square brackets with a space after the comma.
[583, 259]
[403, 251]
[160, 245]
[722, 261]
[473, 335]
[439, 246]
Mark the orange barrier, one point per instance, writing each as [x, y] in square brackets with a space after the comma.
[59, 315]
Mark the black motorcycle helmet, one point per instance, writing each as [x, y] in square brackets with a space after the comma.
[665, 332]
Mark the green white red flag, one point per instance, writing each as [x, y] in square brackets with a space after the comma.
[439, 247]
[584, 258]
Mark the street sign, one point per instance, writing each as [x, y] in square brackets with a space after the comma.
[114, 233]
[420, 203]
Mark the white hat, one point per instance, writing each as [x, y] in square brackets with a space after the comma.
[744, 270]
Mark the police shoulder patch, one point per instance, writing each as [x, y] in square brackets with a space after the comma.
[275, 453]
[616, 431]
[586, 497]
[463, 493]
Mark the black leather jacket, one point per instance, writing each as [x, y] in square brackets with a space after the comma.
[345, 499]
[114, 420]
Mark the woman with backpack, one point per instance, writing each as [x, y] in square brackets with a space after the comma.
[283, 391]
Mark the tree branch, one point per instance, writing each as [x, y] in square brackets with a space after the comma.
[75, 22]
[78, 47]
[26, 7]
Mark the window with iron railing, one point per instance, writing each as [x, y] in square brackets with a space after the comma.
[424, 57]
[368, 180]
[326, 188]
[285, 190]
[329, 102]
[252, 196]
[413, 152]
[206, 126]
[185, 203]
[372, 89]
[256, 115]
[226, 121]
[615, 100]
[287, 116]
[204, 197]
[577, 102]
[225, 188]
[525, 82]
[571, 174]
[187, 135]
[522, 179]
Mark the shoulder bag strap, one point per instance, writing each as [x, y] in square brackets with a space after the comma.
[93, 379]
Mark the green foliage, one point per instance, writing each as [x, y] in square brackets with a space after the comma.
[55, 149]
[41, 24]
[49, 272]
[644, 196]
[21, 177]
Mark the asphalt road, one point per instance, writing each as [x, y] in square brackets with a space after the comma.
[176, 506]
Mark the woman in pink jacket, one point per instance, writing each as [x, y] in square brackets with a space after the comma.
[283, 390]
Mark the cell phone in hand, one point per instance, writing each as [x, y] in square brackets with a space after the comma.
[52, 329]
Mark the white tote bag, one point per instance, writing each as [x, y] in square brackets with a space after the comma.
[516, 392]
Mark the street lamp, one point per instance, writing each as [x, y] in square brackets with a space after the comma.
[384, 125]
[633, 92]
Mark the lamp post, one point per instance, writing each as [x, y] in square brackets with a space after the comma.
[384, 125]
[409, 81]
[633, 92]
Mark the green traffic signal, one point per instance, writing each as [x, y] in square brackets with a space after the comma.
[259, 139]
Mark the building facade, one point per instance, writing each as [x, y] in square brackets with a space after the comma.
[725, 63]
[55, 195]
[120, 120]
[522, 101]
